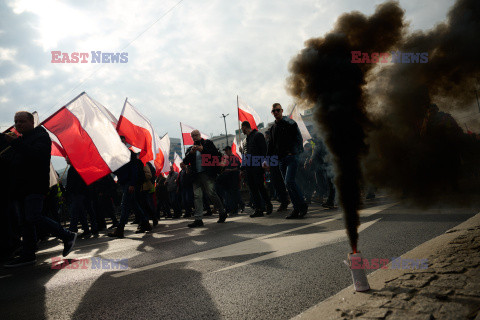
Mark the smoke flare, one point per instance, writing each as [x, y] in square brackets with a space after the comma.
[323, 75]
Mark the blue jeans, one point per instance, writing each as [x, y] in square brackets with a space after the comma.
[129, 201]
[288, 168]
[30, 212]
[278, 184]
[187, 199]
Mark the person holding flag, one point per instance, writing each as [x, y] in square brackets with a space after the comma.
[28, 157]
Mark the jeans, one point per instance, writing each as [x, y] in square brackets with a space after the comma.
[30, 212]
[278, 184]
[187, 198]
[288, 168]
[202, 183]
[129, 201]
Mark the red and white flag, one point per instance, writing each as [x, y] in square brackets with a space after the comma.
[138, 132]
[295, 115]
[161, 158]
[88, 138]
[235, 149]
[187, 138]
[246, 113]
[176, 162]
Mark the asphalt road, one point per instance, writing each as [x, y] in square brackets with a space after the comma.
[262, 268]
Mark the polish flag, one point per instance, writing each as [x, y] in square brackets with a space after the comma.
[138, 132]
[295, 115]
[176, 162]
[88, 138]
[236, 150]
[246, 113]
[161, 158]
[187, 138]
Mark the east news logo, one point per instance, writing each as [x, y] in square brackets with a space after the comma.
[96, 57]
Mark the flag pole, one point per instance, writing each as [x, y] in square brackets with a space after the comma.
[239, 126]
[183, 143]
[123, 110]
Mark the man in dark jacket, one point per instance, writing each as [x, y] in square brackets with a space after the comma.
[127, 177]
[28, 158]
[203, 159]
[256, 149]
[286, 142]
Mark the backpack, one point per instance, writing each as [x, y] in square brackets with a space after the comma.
[141, 178]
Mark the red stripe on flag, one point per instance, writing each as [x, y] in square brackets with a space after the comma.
[187, 139]
[245, 116]
[159, 162]
[57, 150]
[136, 136]
[78, 145]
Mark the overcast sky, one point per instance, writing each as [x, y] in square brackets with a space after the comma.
[189, 66]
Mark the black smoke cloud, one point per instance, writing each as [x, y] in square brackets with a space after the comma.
[375, 118]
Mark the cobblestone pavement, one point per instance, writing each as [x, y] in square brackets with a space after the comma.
[448, 289]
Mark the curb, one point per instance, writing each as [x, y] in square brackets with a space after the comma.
[349, 299]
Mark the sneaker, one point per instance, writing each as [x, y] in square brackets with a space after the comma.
[20, 262]
[222, 217]
[257, 214]
[68, 245]
[195, 224]
[293, 215]
[303, 211]
[283, 206]
[269, 208]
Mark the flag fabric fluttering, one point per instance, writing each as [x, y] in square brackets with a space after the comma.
[161, 158]
[295, 115]
[176, 162]
[236, 149]
[246, 113]
[186, 137]
[88, 138]
[139, 132]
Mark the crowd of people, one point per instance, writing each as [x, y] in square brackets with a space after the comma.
[290, 170]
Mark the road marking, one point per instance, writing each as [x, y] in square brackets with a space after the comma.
[265, 244]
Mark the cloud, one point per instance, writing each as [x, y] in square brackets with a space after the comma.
[189, 66]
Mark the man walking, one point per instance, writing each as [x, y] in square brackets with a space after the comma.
[128, 177]
[28, 158]
[202, 159]
[256, 149]
[286, 142]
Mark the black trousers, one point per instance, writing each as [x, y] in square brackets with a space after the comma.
[257, 188]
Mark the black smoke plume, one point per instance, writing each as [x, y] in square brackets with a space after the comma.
[416, 151]
[323, 75]
[379, 121]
